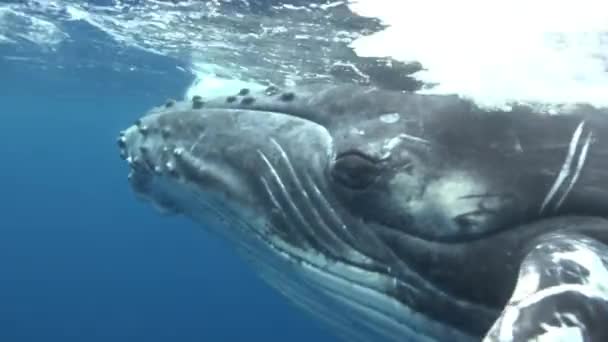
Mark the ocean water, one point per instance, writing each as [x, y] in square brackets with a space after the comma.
[82, 260]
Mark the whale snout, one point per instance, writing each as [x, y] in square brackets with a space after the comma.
[146, 155]
[214, 153]
[171, 152]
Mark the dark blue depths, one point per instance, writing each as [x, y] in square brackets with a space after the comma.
[80, 258]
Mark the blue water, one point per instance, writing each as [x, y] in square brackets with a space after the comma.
[80, 258]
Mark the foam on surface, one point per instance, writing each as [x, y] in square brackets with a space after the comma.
[497, 51]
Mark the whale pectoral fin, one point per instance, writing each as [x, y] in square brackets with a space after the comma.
[561, 293]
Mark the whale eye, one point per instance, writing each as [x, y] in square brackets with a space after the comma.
[355, 170]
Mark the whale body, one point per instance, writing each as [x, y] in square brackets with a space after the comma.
[395, 216]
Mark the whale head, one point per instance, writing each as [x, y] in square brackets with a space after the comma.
[343, 197]
[358, 152]
[281, 158]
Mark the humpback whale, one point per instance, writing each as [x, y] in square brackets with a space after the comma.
[395, 216]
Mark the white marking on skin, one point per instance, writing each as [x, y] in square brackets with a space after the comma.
[560, 334]
[518, 146]
[527, 284]
[445, 198]
[390, 118]
[448, 194]
[565, 171]
[579, 167]
[594, 286]
[357, 131]
[558, 289]
[507, 322]
[413, 138]
[572, 318]
[198, 140]
[389, 145]
[583, 256]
